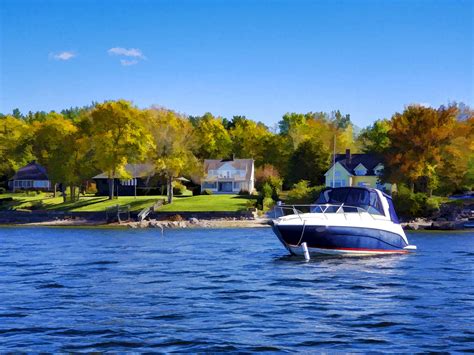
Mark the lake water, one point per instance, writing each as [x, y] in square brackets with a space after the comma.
[228, 290]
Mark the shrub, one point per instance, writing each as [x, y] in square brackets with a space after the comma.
[267, 203]
[2, 190]
[175, 218]
[178, 188]
[409, 205]
[432, 206]
[268, 174]
[264, 196]
[243, 193]
[302, 193]
[206, 192]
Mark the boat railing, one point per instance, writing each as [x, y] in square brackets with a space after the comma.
[324, 209]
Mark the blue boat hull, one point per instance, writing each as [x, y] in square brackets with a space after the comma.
[340, 238]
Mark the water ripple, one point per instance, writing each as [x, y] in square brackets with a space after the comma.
[92, 290]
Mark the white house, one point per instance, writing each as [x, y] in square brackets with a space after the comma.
[357, 170]
[228, 176]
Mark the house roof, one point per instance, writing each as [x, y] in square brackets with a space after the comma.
[369, 161]
[135, 171]
[238, 164]
[31, 171]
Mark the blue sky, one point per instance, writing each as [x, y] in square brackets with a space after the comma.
[254, 58]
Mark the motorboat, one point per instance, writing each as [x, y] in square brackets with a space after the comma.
[343, 221]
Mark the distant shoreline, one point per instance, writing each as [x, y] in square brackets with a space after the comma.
[157, 224]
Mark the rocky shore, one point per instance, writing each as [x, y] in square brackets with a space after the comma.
[197, 223]
[160, 224]
[450, 217]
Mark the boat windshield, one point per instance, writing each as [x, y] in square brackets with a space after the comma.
[351, 197]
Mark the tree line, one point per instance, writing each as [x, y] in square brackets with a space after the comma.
[426, 148]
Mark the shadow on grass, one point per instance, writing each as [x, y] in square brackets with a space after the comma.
[65, 206]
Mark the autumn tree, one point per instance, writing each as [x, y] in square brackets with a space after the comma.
[15, 144]
[173, 149]
[119, 137]
[50, 144]
[456, 169]
[418, 136]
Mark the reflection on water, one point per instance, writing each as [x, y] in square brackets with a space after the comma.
[228, 290]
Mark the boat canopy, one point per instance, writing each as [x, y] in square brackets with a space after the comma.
[351, 197]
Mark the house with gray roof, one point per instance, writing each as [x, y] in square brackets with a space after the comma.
[32, 176]
[139, 181]
[228, 176]
[357, 170]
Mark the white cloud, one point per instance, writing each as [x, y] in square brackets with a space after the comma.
[62, 55]
[126, 62]
[132, 52]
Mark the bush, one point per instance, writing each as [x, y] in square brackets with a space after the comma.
[409, 205]
[267, 203]
[268, 174]
[244, 193]
[302, 193]
[2, 190]
[206, 192]
[178, 188]
[265, 196]
[176, 218]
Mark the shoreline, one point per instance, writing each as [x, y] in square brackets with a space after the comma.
[206, 221]
[159, 224]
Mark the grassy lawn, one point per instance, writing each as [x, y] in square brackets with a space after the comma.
[85, 204]
[203, 203]
[208, 203]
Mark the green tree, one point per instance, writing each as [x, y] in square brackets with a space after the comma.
[118, 137]
[249, 140]
[212, 138]
[309, 162]
[374, 139]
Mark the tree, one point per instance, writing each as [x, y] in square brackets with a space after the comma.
[309, 162]
[417, 139]
[173, 146]
[374, 139]
[118, 137]
[456, 169]
[249, 139]
[212, 138]
[15, 145]
[51, 142]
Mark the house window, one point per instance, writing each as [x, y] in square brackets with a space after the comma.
[360, 172]
[238, 185]
[338, 183]
[209, 185]
[41, 184]
[128, 182]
